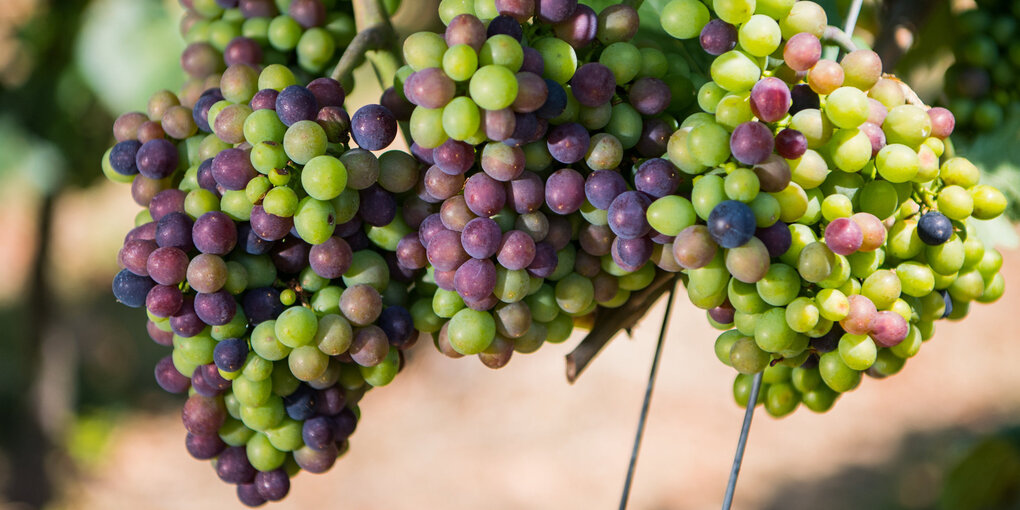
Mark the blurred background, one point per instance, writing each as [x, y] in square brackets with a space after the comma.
[84, 426]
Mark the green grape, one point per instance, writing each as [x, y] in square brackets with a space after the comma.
[285, 436]
[989, 202]
[315, 49]
[968, 286]
[262, 454]
[559, 58]
[625, 124]
[776, 374]
[820, 399]
[427, 127]
[802, 314]
[832, 304]
[813, 212]
[265, 416]
[735, 71]
[252, 393]
[307, 362]
[907, 124]
[850, 149]
[724, 344]
[858, 352]
[304, 140]
[804, 17]
[733, 110]
[897, 163]
[836, 374]
[746, 357]
[793, 202]
[993, 290]
[781, 399]
[745, 322]
[574, 293]
[847, 107]
[263, 126]
[837, 206]
[910, 345]
[760, 35]
[766, 210]
[742, 390]
[671, 214]
[707, 286]
[709, 191]
[709, 143]
[471, 331]
[200, 201]
[314, 220]
[423, 50]
[816, 262]
[460, 62]
[502, 50]
[955, 202]
[809, 171]
[779, 286]
[461, 118]
[284, 33]
[744, 297]
[776, 9]
[266, 156]
[296, 326]
[916, 279]
[878, 198]
[684, 19]
[709, 96]
[281, 200]
[772, 333]
[959, 172]
[256, 188]
[323, 178]
[233, 431]
[680, 155]
[276, 77]
[653, 63]
[882, 288]
[805, 379]
[734, 12]
[817, 128]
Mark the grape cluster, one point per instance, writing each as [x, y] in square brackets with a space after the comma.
[543, 125]
[825, 231]
[264, 255]
[981, 84]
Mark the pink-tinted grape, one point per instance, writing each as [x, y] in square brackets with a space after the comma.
[770, 99]
[694, 247]
[517, 250]
[445, 251]
[791, 144]
[475, 279]
[843, 236]
[751, 143]
[465, 29]
[802, 51]
[889, 328]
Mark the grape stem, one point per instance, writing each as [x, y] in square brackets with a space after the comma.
[647, 401]
[738, 459]
[374, 33]
[609, 322]
[835, 35]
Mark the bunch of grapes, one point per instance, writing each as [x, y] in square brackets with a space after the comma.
[825, 231]
[981, 84]
[543, 126]
[264, 256]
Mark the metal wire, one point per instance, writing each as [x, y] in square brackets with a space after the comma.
[851, 17]
[752, 402]
[648, 398]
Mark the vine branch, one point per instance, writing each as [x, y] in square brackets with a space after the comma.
[836, 35]
[374, 33]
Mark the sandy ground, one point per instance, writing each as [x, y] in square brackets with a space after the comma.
[453, 434]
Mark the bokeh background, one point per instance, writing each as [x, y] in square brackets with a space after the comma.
[84, 426]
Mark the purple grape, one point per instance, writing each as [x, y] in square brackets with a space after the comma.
[555, 103]
[257, 8]
[654, 139]
[348, 228]
[204, 447]
[167, 265]
[296, 103]
[770, 99]
[803, 98]
[146, 232]
[200, 112]
[327, 92]
[773, 174]
[130, 289]
[481, 238]
[445, 279]
[506, 25]
[264, 99]
[378, 206]
[631, 254]
[203, 415]
[430, 226]
[290, 255]
[135, 254]
[157, 159]
[731, 223]
[520, 10]
[554, 11]
[168, 378]
[481, 305]
[560, 232]
[532, 92]
[526, 130]
[429, 88]
[232, 466]
[484, 195]
[396, 103]
[215, 309]
[627, 215]
[270, 226]
[411, 253]
[568, 143]
[718, 37]
[533, 61]
[502, 162]
[230, 354]
[593, 84]
[454, 157]
[185, 322]
[596, 240]
[330, 259]
[564, 191]
[252, 243]
[656, 177]
[398, 324]
[650, 96]
[272, 485]
[466, 29]
[242, 50]
[578, 29]
[934, 228]
[440, 184]
[164, 300]
[776, 237]
[232, 169]
[262, 304]
[335, 122]
[475, 279]
[344, 423]
[317, 433]
[602, 187]
[373, 127]
[445, 251]
[792, 144]
[205, 177]
[166, 202]
[545, 261]
[122, 157]
[207, 381]
[517, 250]
[751, 143]
[456, 213]
[214, 232]
[526, 193]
